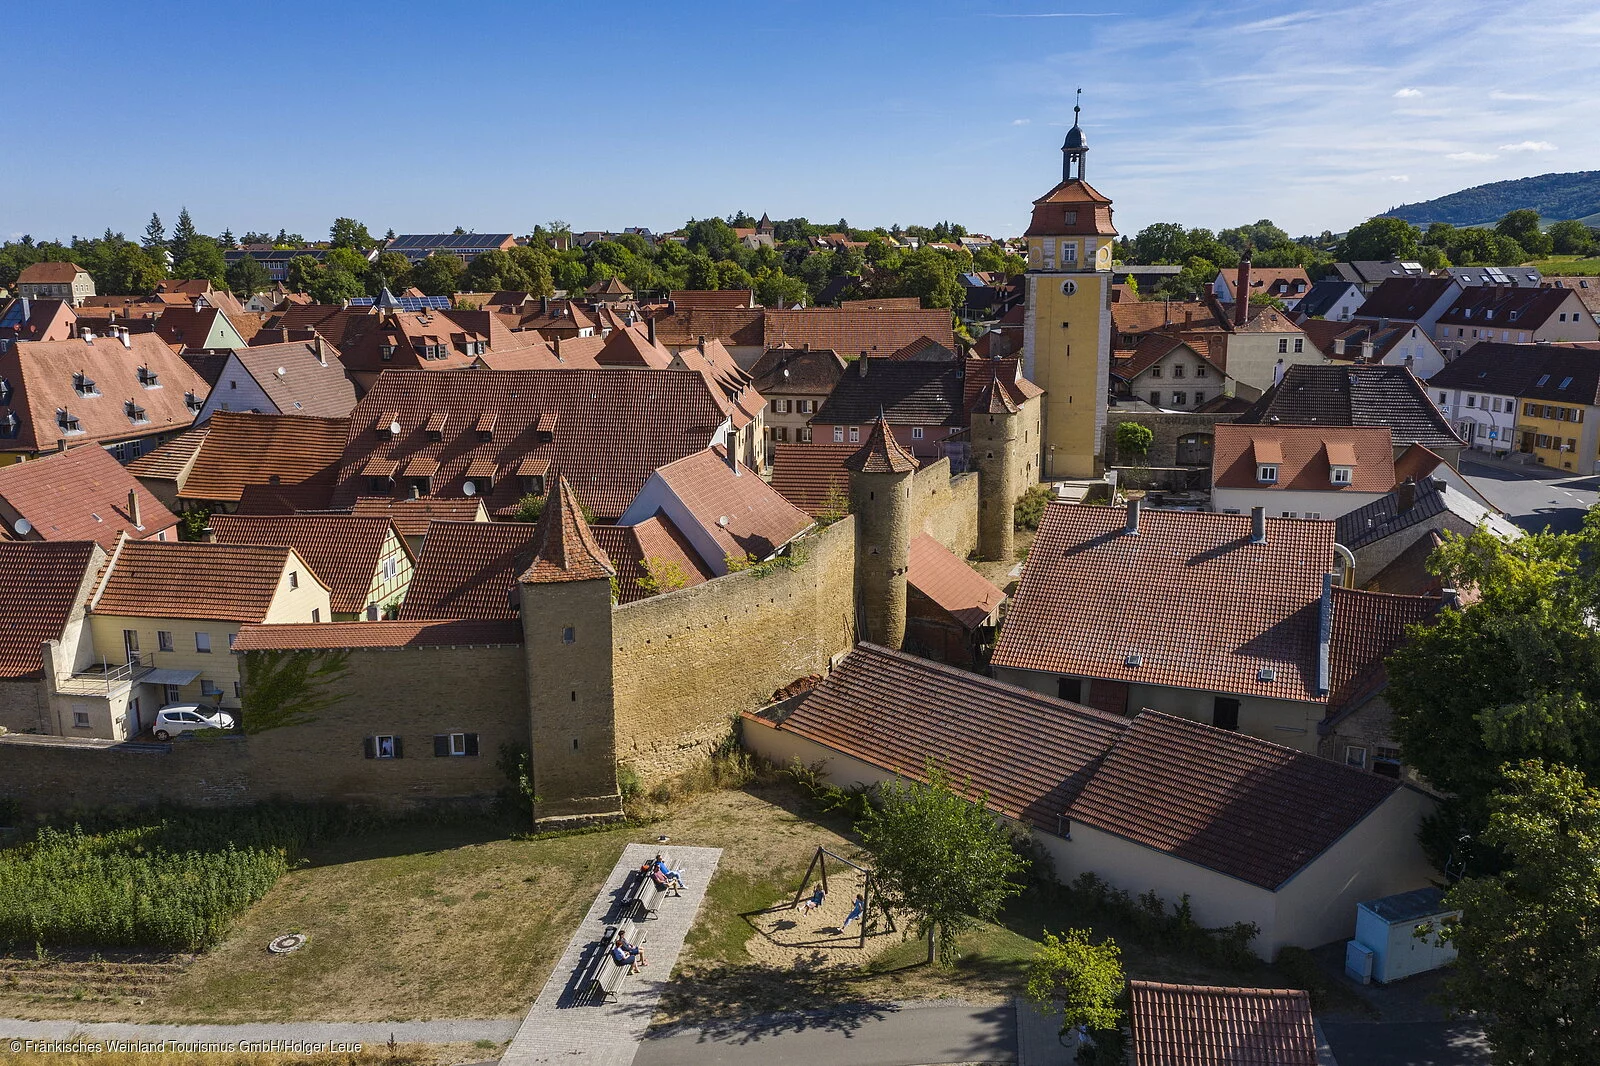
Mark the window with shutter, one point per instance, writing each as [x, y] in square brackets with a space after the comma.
[441, 745]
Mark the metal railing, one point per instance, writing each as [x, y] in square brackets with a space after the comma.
[108, 675]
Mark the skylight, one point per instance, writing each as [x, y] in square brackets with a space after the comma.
[1543, 380]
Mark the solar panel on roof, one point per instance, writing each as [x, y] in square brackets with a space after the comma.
[424, 303]
[362, 301]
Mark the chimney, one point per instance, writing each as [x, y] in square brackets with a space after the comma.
[544, 305]
[730, 443]
[702, 344]
[133, 509]
[1405, 496]
[1241, 295]
[88, 336]
[316, 348]
[1338, 346]
[1211, 288]
[556, 344]
[650, 330]
[61, 444]
[125, 336]
[1366, 351]
[806, 347]
[1188, 318]
[672, 307]
[208, 535]
[1258, 525]
[861, 365]
[1134, 505]
[372, 612]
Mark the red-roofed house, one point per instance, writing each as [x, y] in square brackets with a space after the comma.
[58, 281]
[43, 640]
[1300, 471]
[1201, 1025]
[950, 608]
[81, 494]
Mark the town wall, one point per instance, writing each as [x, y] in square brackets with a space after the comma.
[1167, 427]
[24, 706]
[945, 507]
[687, 661]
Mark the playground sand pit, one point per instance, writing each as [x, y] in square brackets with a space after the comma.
[788, 938]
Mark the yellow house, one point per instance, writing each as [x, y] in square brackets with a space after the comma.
[361, 558]
[1066, 331]
[174, 608]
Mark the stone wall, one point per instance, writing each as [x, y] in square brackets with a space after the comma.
[686, 662]
[1167, 427]
[945, 507]
[24, 707]
[412, 694]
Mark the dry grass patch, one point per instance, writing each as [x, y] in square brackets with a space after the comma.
[374, 1055]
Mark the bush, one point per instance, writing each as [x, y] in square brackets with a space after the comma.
[1147, 916]
[1134, 440]
[173, 881]
[1029, 510]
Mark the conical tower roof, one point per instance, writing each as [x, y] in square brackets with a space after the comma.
[882, 454]
[564, 548]
[994, 400]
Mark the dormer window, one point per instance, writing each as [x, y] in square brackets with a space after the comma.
[5, 391]
[148, 378]
[134, 412]
[192, 402]
[83, 385]
[1511, 316]
[10, 425]
[1267, 473]
[435, 426]
[67, 421]
[1340, 475]
[387, 351]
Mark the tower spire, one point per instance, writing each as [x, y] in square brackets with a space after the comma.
[1074, 147]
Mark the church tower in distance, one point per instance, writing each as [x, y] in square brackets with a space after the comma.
[1066, 333]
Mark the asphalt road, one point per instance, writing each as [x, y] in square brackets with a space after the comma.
[872, 1034]
[1407, 1043]
[1533, 501]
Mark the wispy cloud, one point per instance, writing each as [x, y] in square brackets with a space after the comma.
[1407, 93]
[1528, 146]
[1021, 121]
[1051, 15]
[1500, 95]
[1472, 157]
[1399, 177]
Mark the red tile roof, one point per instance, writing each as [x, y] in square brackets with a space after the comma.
[1367, 627]
[943, 577]
[310, 495]
[307, 386]
[46, 385]
[850, 331]
[1416, 463]
[468, 570]
[1190, 595]
[978, 373]
[254, 449]
[726, 299]
[342, 550]
[657, 540]
[784, 371]
[882, 453]
[669, 414]
[813, 477]
[563, 547]
[172, 460]
[742, 328]
[49, 274]
[1030, 752]
[1256, 811]
[81, 494]
[412, 517]
[632, 347]
[44, 583]
[1198, 1025]
[424, 634]
[1305, 456]
[172, 579]
[1092, 211]
[742, 513]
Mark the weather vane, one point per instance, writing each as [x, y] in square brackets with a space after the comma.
[1077, 105]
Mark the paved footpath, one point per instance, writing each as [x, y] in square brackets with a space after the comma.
[564, 1027]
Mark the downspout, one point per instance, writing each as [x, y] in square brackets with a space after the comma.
[1349, 559]
[1325, 635]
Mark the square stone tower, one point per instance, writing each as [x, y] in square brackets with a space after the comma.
[566, 628]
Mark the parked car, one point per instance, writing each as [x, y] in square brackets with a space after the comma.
[177, 718]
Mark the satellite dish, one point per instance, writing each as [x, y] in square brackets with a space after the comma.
[281, 371]
[470, 488]
[394, 429]
[22, 526]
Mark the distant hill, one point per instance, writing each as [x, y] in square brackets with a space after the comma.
[1554, 196]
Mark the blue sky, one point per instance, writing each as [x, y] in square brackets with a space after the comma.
[497, 116]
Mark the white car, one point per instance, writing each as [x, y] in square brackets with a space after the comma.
[178, 718]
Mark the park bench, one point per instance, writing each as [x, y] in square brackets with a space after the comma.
[646, 897]
[605, 973]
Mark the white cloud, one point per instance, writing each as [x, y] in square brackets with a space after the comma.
[1472, 157]
[1407, 93]
[1499, 95]
[1399, 177]
[1528, 146]
[1021, 121]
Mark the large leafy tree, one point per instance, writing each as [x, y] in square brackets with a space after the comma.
[1514, 675]
[940, 857]
[1529, 937]
[439, 275]
[348, 233]
[1381, 238]
[1084, 977]
[1522, 226]
[247, 276]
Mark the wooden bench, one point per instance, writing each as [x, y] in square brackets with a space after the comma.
[605, 973]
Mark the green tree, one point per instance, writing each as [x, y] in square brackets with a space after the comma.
[1134, 440]
[1196, 274]
[1512, 676]
[1529, 937]
[535, 265]
[184, 234]
[702, 273]
[439, 275]
[155, 234]
[1571, 237]
[495, 271]
[335, 286]
[1522, 226]
[348, 233]
[390, 268]
[246, 277]
[1381, 238]
[731, 275]
[940, 857]
[202, 259]
[1086, 978]
[128, 270]
[303, 273]
[774, 288]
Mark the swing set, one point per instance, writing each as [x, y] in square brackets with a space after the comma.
[819, 862]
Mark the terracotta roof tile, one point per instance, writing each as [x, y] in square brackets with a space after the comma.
[979, 373]
[342, 550]
[1256, 811]
[412, 517]
[172, 460]
[656, 538]
[81, 494]
[742, 513]
[1198, 1025]
[1495, 305]
[310, 495]
[1207, 609]
[882, 453]
[851, 331]
[669, 413]
[468, 570]
[1407, 299]
[254, 449]
[725, 299]
[423, 634]
[813, 477]
[742, 328]
[1093, 215]
[563, 547]
[48, 379]
[1367, 626]
[227, 582]
[49, 274]
[1031, 753]
[44, 583]
[631, 347]
[1304, 455]
[943, 577]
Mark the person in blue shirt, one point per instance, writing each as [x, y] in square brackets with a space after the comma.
[856, 912]
[629, 955]
[815, 900]
[675, 876]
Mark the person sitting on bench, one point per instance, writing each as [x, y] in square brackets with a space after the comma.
[629, 955]
[675, 876]
[856, 912]
[815, 900]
